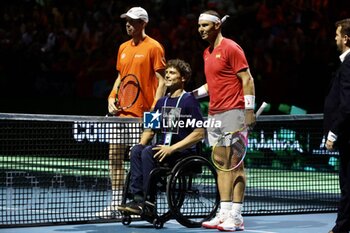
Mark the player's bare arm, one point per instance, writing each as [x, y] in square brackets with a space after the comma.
[248, 90]
[161, 89]
[112, 97]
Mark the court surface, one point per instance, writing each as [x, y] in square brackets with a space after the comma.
[310, 223]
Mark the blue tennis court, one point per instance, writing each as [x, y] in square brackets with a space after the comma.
[310, 223]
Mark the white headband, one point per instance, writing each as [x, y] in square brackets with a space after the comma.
[212, 18]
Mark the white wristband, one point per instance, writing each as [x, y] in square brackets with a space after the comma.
[331, 136]
[200, 92]
[249, 101]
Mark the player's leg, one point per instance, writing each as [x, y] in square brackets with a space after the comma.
[225, 192]
[230, 121]
[117, 176]
[234, 221]
[224, 184]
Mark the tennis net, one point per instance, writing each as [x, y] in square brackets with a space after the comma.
[55, 168]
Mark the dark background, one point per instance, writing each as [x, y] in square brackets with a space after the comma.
[58, 56]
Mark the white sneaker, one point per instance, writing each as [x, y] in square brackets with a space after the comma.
[232, 223]
[107, 213]
[218, 219]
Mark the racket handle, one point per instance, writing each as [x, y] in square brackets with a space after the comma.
[261, 109]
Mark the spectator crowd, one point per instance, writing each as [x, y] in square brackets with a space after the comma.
[62, 49]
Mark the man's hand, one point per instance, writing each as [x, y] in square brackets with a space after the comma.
[112, 108]
[250, 119]
[329, 145]
[163, 152]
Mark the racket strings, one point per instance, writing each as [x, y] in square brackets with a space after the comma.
[127, 93]
[238, 146]
[230, 151]
[236, 141]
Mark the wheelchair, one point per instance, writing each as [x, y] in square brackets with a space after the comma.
[187, 192]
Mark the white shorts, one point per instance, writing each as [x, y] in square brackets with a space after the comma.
[231, 121]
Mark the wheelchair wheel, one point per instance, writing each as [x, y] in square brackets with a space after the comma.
[126, 220]
[192, 191]
[156, 209]
[158, 223]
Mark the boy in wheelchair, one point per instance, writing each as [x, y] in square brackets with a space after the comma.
[179, 133]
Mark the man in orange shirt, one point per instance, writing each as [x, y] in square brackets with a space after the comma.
[143, 57]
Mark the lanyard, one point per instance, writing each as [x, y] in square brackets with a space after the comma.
[168, 136]
[177, 102]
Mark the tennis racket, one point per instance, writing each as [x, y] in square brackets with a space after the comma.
[127, 93]
[230, 149]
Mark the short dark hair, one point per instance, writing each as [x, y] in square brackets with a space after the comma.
[345, 26]
[183, 67]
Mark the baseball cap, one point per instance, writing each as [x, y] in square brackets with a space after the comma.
[136, 13]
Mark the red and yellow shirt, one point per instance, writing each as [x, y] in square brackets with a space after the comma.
[221, 67]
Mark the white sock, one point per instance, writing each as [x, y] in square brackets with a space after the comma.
[225, 206]
[237, 208]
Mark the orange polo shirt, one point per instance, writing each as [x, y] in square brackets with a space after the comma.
[142, 60]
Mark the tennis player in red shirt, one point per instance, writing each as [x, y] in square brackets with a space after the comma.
[232, 101]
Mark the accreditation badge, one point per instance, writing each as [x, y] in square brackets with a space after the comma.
[171, 118]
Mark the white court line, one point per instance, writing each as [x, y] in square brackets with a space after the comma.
[257, 231]
[173, 221]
